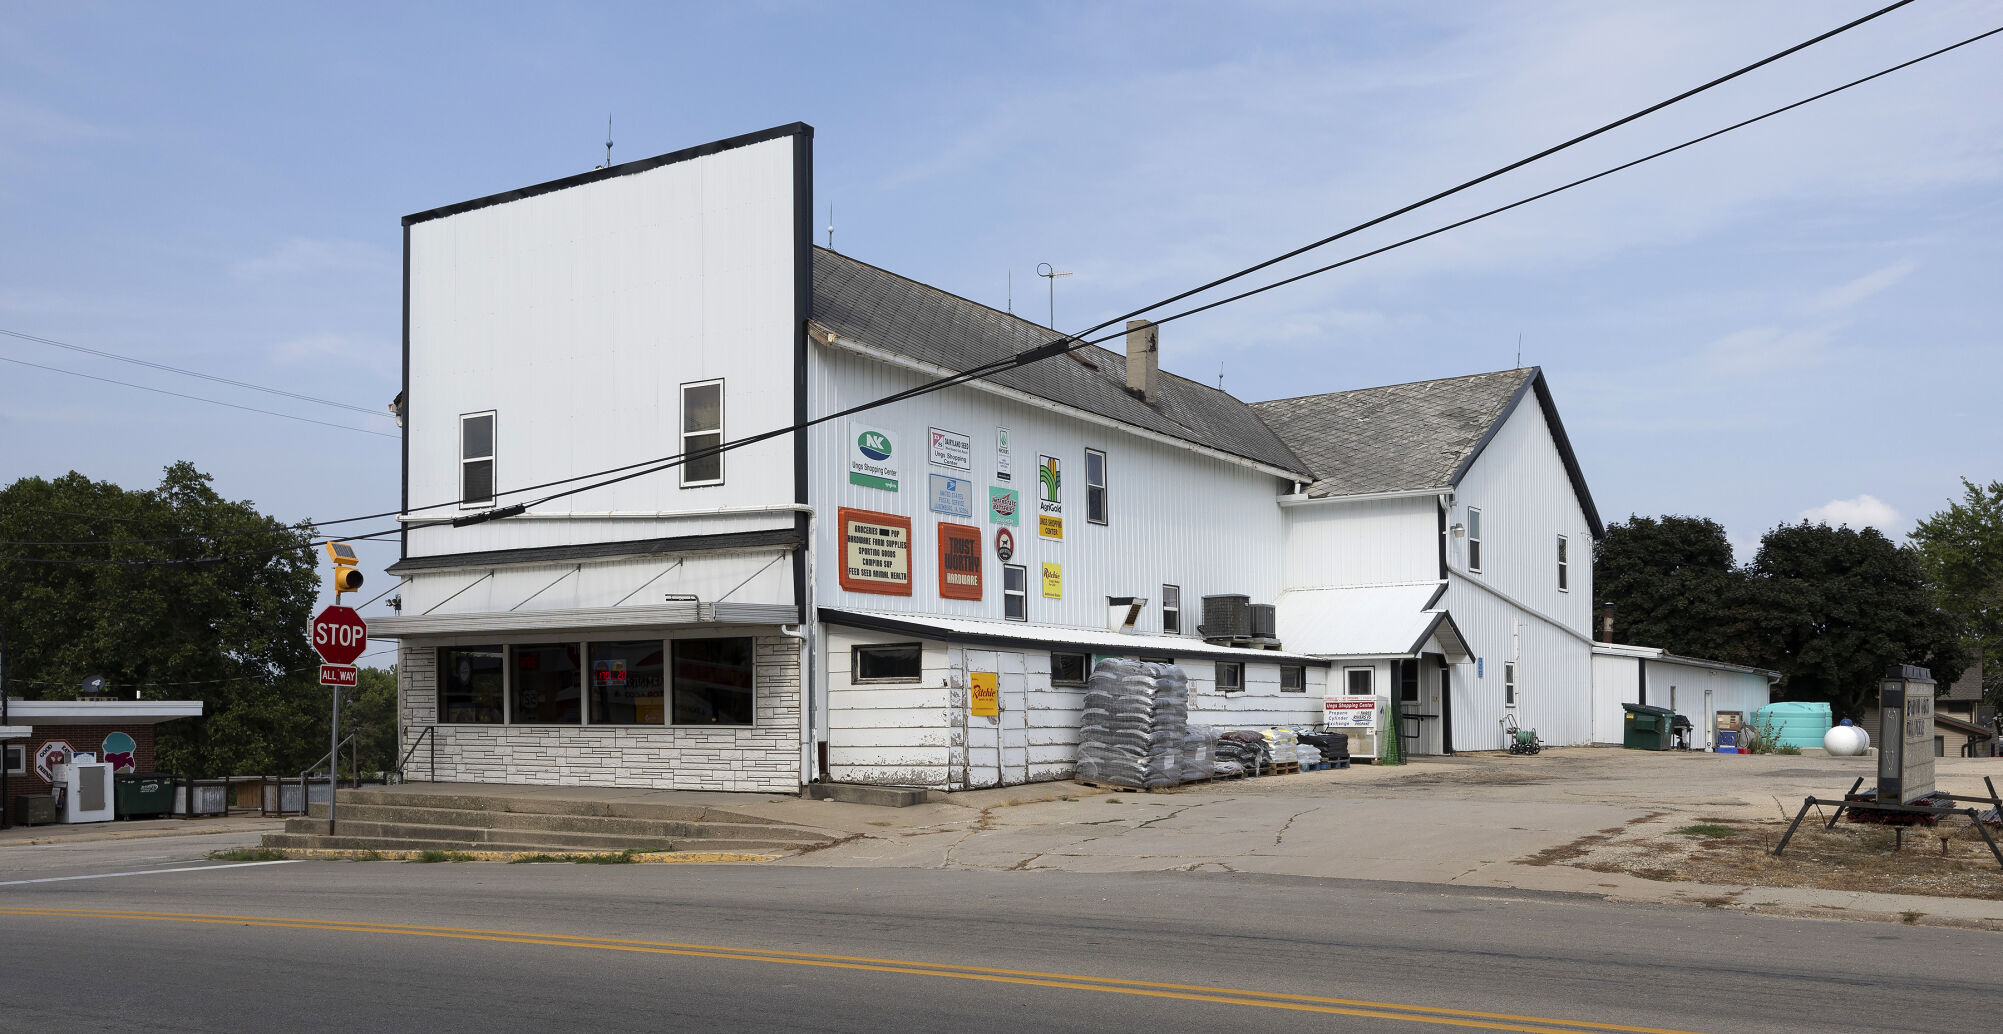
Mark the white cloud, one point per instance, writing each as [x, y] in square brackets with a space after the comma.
[1864, 511]
[1843, 296]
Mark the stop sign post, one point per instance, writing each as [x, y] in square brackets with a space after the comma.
[339, 636]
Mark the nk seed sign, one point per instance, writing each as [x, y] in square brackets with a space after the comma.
[339, 635]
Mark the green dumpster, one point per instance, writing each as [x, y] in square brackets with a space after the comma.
[1646, 728]
[143, 795]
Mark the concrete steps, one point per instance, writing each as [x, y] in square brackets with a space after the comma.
[399, 821]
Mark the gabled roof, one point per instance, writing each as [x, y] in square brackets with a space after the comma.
[1415, 436]
[882, 310]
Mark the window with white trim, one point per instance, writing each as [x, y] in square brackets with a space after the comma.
[1171, 609]
[1509, 684]
[1230, 676]
[1473, 539]
[1015, 592]
[702, 433]
[1360, 682]
[17, 759]
[1095, 486]
[1293, 678]
[893, 662]
[476, 459]
[1564, 572]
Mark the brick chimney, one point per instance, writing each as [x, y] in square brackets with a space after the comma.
[1143, 359]
[1607, 624]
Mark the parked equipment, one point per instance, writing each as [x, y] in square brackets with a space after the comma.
[1518, 739]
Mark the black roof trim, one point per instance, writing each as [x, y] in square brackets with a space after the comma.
[625, 169]
[878, 623]
[1537, 383]
[1434, 626]
[788, 538]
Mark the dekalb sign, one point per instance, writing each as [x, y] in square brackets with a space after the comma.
[339, 635]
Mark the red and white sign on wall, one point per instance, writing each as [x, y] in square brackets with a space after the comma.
[1349, 712]
[339, 636]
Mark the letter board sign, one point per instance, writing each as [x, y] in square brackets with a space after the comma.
[876, 552]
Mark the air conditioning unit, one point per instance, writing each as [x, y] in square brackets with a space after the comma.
[1265, 621]
[1226, 617]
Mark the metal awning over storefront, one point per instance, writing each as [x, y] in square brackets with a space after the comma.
[1090, 640]
[1370, 621]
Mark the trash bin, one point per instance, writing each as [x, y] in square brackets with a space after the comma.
[143, 795]
[1646, 728]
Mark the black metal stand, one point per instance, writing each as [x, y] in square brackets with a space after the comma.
[1974, 817]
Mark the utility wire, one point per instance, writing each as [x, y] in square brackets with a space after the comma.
[199, 398]
[1045, 351]
[194, 561]
[191, 373]
[1070, 343]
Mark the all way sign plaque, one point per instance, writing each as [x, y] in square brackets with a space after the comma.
[343, 675]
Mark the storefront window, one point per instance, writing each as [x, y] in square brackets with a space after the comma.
[628, 683]
[713, 681]
[469, 684]
[546, 685]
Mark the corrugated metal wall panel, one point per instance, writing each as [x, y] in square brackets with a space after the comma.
[1366, 542]
[1616, 681]
[1554, 673]
[577, 314]
[1176, 517]
[1526, 500]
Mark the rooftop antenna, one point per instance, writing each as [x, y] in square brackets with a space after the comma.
[1011, 292]
[1519, 350]
[831, 226]
[1051, 273]
[1220, 376]
[608, 141]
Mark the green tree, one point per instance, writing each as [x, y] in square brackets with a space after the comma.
[1961, 549]
[1829, 608]
[221, 621]
[1672, 584]
[369, 712]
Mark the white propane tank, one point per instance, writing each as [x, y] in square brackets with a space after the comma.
[1843, 741]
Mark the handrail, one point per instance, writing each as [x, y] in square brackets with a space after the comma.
[432, 772]
[333, 773]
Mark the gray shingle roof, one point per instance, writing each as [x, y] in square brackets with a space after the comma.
[880, 309]
[1393, 438]
[1420, 435]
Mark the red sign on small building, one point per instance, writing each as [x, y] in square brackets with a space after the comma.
[959, 562]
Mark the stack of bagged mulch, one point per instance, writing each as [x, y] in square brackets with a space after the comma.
[1244, 748]
[1134, 725]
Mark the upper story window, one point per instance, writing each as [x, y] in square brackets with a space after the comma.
[476, 459]
[1473, 539]
[1015, 592]
[1360, 681]
[1171, 609]
[702, 432]
[1095, 486]
[1564, 572]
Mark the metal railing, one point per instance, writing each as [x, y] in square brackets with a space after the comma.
[423, 738]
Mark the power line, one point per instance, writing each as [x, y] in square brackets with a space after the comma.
[1056, 347]
[1071, 343]
[194, 561]
[191, 373]
[1044, 351]
[198, 398]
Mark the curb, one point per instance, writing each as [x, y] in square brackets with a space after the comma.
[646, 858]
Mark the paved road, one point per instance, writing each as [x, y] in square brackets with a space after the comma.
[331, 946]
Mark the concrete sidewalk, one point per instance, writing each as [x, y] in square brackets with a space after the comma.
[138, 829]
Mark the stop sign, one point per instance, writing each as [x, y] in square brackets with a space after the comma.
[339, 635]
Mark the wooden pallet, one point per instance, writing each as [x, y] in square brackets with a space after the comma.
[1283, 768]
[1123, 789]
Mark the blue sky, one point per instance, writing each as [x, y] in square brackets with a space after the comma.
[1799, 319]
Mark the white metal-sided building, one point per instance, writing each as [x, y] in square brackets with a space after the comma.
[1695, 688]
[911, 594]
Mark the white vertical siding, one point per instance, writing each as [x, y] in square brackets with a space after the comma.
[1362, 542]
[1526, 500]
[577, 314]
[1616, 681]
[1553, 673]
[1177, 517]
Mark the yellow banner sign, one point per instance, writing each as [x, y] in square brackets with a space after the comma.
[1050, 527]
[1053, 581]
[985, 700]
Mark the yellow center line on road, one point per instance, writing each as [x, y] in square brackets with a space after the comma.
[1032, 978]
